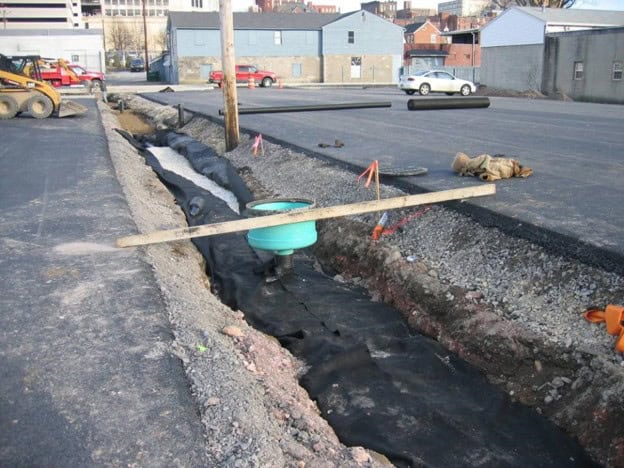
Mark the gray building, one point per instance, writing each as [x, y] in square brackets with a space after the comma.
[585, 65]
[512, 45]
[356, 47]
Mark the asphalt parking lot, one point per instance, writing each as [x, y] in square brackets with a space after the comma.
[83, 331]
[571, 203]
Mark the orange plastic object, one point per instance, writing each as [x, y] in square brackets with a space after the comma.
[613, 316]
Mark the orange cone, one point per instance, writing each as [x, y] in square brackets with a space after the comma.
[252, 83]
[279, 84]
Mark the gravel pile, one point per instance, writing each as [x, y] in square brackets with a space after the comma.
[518, 302]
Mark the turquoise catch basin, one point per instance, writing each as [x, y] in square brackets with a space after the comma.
[284, 239]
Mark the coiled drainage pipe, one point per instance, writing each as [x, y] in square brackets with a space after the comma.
[448, 103]
[314, 107]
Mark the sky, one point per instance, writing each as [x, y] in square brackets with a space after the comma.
[352, 5]
[600, 4]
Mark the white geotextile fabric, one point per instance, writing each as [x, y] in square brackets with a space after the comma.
[173, 161]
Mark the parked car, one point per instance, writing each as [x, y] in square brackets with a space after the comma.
[244, 73]
[435, 81]
[137, 65]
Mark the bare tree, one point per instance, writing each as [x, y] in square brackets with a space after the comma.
[162, 41]
[120, 36]
[136, 35]
[533, 3]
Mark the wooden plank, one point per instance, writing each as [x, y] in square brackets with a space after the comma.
[300, 215]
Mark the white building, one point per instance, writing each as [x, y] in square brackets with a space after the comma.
[463, 7]
[155, 7]
[80, 46]
[40, 14]
[513, 44]
[529, 25]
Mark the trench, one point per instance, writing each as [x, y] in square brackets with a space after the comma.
[378, 382]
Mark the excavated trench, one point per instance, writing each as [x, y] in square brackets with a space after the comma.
[376, 376]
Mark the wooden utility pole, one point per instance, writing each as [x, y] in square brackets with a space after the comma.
[230, 98]
[145, 39]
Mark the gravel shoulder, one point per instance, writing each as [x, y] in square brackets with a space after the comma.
[507, 306]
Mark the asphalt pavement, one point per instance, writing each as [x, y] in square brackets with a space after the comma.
[87, 377]
[571, 204]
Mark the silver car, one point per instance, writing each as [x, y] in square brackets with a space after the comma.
[426, 82]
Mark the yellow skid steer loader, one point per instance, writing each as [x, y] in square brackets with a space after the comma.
[23, 90]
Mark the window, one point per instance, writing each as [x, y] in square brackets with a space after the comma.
[75, 58]
[578, 70]
[433, 38]
[277, 37]
[351, 37]
[617, 71]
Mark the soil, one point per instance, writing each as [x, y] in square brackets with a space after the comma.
[507, 306]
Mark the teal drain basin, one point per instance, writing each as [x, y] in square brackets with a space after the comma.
[284, 239]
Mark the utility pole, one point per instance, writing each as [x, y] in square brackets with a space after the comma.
[145, 39]
[230, 98]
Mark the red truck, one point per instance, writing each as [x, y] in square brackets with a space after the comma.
[244, 73]
[60, 73]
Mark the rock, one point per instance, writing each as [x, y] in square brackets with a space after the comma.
[339, 279]
[360, 455]
[557, 382]
[212, 401]
[473, 295]
[376, 297]
[538, 366]
[233, 331]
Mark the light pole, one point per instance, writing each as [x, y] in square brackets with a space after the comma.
[145, 39]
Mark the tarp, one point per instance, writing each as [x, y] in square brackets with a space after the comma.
[379, 384]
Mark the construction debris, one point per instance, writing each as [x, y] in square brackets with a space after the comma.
[489, 168]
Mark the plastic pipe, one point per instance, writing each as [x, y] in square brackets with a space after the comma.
[315, 107]
[448, 103]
